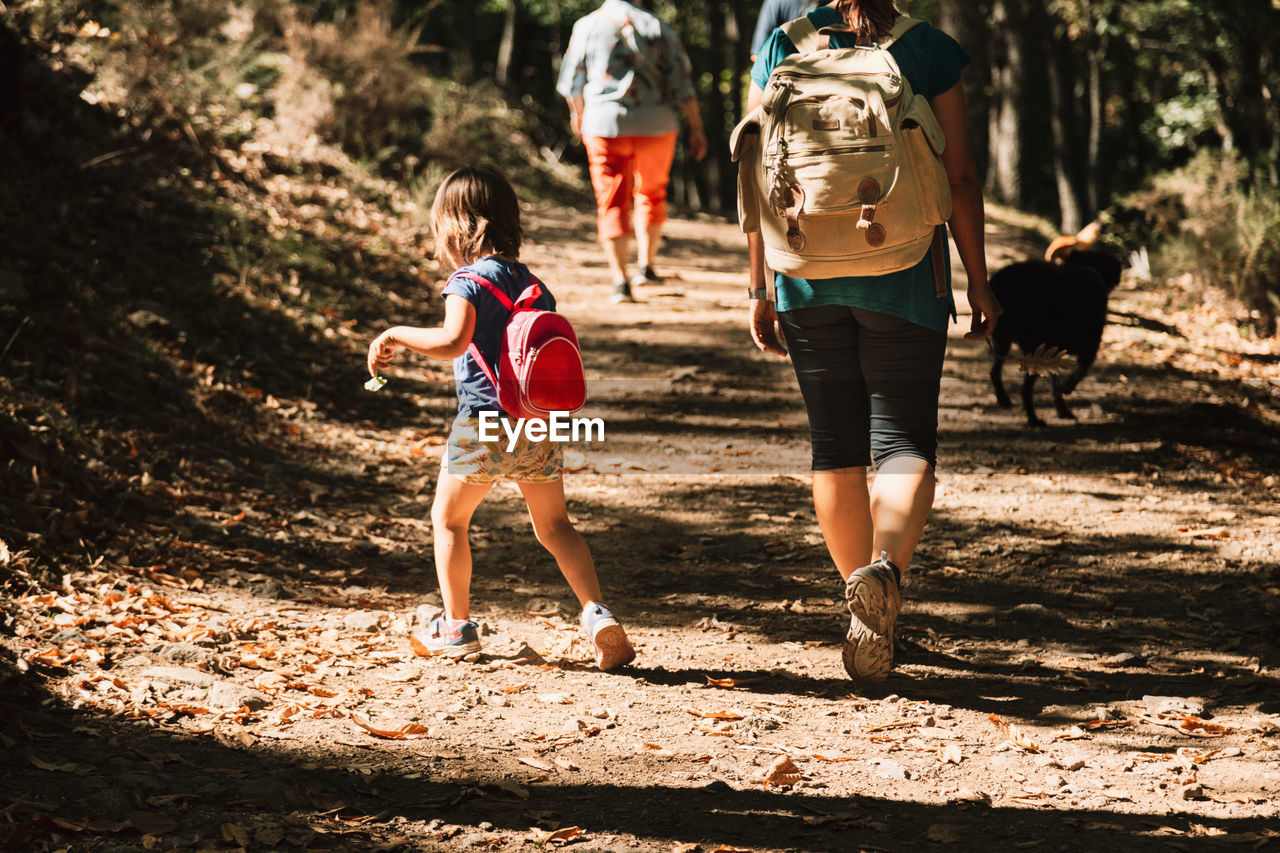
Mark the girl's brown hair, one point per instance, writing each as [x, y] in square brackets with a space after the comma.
[476, 213]
[870, 20]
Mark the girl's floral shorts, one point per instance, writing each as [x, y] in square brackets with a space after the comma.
[482, 462]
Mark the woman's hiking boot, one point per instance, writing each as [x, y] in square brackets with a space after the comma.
[874, 600]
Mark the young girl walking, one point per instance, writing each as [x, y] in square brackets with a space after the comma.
[476, 222]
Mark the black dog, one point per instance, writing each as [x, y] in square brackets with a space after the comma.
[1061, 305]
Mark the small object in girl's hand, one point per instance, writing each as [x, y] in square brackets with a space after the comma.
[375, 383]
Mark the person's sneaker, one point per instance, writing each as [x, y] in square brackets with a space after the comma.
[451, 638]
[613, 649]
[874, 600]
[622, 291]
[646, 276]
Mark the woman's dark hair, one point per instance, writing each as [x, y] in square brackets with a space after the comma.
[870, 20]
[476, 213]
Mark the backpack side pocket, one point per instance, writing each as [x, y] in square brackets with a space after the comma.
[744, 145]
[923, 143]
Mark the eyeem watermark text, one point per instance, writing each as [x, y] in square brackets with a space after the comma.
[557, 427]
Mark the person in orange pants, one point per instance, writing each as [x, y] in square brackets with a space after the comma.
[622, 72]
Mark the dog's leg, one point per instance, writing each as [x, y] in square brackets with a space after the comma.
[1001, 350]
[1027, 385]
[1083, 362]
[1056, 387]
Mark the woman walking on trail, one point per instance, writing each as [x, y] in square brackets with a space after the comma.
[624, 75]
[476, 222]
[868, 351]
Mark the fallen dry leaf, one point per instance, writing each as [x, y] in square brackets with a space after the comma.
[1106, 724]
[715, 715]
[534, 762]
[559, 836]
[1073, 733]
[236, 834]
[1015, 735]
[512, 788]
[731, 682]
[782, 772]
[52, 766]
[943, 833]
[1202, 728]
[405, 732]
[965, 796]
[1205, 532]
[901, 724]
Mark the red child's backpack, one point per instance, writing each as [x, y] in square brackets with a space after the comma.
[539, 363]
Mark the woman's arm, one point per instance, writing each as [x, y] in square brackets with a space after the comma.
[967, 213]
[448, 340]
[577, 104]
[697, 136]
[764, 318]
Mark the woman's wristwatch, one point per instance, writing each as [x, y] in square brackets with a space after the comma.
[757, 293]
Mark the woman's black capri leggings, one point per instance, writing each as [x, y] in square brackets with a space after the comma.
[870, 383]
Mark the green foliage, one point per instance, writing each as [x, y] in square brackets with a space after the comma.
[1211, 220]
[354, 81]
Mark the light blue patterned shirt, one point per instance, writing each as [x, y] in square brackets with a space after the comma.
[630, 69]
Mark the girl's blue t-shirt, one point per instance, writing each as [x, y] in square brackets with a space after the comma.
[475, 392]
[932, 62]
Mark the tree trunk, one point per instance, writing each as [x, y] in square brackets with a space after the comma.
[507, 44]
[1271, 107]
[740, 44]
[1093, 159]
[1008, 73]
[1063, 124]
[1223, 98]
[965, 21]
[717, 161]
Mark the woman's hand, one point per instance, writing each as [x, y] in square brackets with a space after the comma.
[986, 310]
[764, 327]
[381, 351]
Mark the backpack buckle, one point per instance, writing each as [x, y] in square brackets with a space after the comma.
[869, 195]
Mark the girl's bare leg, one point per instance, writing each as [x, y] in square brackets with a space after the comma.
[557, 534]
[451, 512]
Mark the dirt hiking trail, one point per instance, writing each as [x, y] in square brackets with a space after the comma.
[1087, 657]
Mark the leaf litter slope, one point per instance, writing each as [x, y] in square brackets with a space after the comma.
[1087, 644]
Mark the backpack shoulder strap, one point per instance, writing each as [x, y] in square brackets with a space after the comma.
[493, 289]
[803, 34]
[900, 26]
[472, 349]
[530, 294]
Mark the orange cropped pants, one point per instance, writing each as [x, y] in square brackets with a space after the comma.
[626, 166]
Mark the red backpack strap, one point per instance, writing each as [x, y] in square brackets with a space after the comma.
[472, 349]
[530, 294]
[493, 289]
[526, 299]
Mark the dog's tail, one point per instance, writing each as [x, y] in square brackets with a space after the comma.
[1063, 246]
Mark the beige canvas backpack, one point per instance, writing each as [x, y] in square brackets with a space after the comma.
[840, 166]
